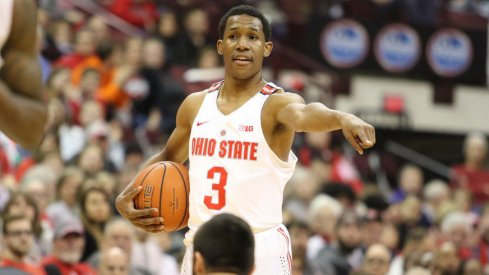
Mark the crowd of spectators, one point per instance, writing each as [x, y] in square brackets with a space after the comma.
[112, 102]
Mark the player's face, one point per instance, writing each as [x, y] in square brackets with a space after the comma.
[243, 46]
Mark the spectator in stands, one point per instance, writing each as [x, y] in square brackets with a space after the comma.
[68, 246]
[457, 228]
[18, 239]
[168, 32]
[377, 260]
[344, 254]
[301, 190]
[95, 212]
[118, 233]
[21, 203]
[194, 38]
[472, 174]
[114, 261]
[435, 194]
[299, 236]
[445, 260]
[410, 183]
[324, 212]
[147, 255]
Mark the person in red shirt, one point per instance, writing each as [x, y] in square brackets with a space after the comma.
[68, 246]
[472, 174]
[18, 238]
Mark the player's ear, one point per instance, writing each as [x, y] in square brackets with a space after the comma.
[268, 48]
[199, 264]
[219, 46]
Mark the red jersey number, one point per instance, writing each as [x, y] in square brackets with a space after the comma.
[220, 173]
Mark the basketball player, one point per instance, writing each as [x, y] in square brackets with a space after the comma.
[230, 251]
[23, 113]
[237, 136]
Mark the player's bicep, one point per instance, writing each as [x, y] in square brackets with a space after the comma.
[290, 111]
[22, 71]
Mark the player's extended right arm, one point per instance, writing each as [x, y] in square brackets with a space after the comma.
[176, 149]
[23, 114]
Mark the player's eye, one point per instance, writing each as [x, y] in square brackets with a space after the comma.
[253, 37]
[233, 36]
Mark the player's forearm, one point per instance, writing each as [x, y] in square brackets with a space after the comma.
[316, 117]
[21, 118]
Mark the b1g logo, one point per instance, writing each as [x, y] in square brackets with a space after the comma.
[397, 48]
[449, 52]
[344, 43]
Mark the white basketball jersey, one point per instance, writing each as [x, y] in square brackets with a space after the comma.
[6, 13]
[232, 168]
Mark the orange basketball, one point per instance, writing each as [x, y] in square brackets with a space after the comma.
[165, 187]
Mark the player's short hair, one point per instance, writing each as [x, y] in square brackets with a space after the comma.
[227, 244]
[247, 10]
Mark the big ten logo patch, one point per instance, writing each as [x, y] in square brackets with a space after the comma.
[246, 128]
[148, 193]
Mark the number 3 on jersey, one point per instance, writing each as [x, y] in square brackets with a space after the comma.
[220, 174]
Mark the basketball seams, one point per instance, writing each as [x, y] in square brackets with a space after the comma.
[186, 192]
[161, 188]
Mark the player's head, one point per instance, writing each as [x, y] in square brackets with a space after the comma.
[245, 10]
[224, 244]
[244, 40]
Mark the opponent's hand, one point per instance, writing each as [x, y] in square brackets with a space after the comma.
[359, 134]
[142, 218]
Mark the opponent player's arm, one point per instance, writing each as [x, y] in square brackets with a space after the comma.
[175, 150]
[23, 113]
[316, 117]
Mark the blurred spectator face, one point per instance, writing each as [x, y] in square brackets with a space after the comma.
[446, 261]
[411, 179]
[69, 248]
[133, 52]
[153, 54]
[349, 236]
[113, 262]
[89, 83]
[390, 237]
[97, 206]
[91, 159]
[99, 28]
[119, 234]
[196, 22]
[411, 210]
[377, 260]
[62, 34]
[38, 191]
[462, 199]
[69, 188]
[58, 80]
[299, 235]
[20, 206]
[18, 238]
[91, 111]
[168, 25]
[324, 222]
[85, 43]
[475, 149]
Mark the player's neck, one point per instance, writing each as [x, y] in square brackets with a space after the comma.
[241, 88]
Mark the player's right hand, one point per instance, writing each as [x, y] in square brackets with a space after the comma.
[141, 218]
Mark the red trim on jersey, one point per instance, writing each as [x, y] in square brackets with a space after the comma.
[215, 87]
[268, 90]
[289, 256]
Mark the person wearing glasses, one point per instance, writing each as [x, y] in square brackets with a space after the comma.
[18, 239]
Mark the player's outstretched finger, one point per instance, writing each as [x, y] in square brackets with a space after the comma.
[152, 228]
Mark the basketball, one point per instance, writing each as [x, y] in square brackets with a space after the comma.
[165, 187]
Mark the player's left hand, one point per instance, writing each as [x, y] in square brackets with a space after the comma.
[359, 134]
